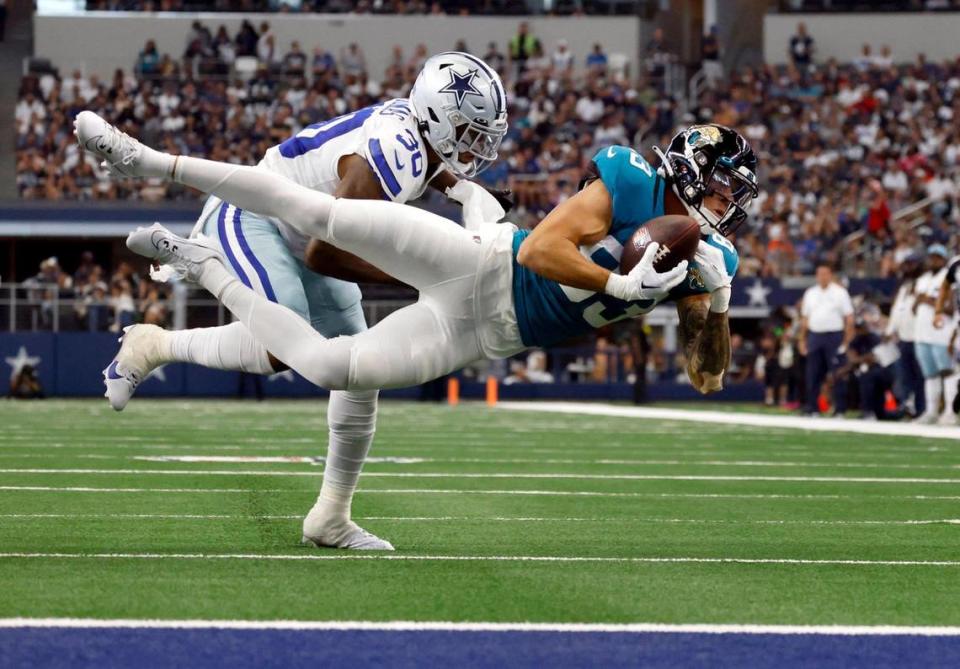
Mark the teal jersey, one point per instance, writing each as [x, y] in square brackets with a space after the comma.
[548, 312]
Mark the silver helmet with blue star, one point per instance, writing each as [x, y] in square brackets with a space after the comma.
[461, 107]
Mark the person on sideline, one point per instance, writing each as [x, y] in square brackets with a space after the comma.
[826, 328]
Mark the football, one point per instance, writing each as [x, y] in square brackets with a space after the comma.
[678, 237]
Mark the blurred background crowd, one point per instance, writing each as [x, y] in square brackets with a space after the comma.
[842, 146]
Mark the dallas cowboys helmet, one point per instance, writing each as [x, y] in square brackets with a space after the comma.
[706, 160]
[461, 107]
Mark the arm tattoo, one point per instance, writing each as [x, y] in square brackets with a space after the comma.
[705, 336]
[714, 343]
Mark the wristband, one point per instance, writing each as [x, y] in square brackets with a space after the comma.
[720, 300]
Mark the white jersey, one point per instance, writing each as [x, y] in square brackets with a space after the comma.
[386, 135]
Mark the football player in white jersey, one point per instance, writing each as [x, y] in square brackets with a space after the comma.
[447, 131]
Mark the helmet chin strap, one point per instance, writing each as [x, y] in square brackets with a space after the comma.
[707, 226]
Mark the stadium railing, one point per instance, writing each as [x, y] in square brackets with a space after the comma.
[37, 307]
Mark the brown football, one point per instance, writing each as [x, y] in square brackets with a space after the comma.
[678, 237]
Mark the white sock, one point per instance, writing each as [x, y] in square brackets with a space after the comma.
[933, 389]
[950, 393]
[352, 417]
[229, 347]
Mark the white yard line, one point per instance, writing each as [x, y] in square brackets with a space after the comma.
[492, 475]
[257, 458]
[741, 419]
[448, 491]
[425, 626]
[479, 558]
[400, 460]
[478, 519]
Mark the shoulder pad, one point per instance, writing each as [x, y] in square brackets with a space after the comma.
[730, 255]
[395, 153]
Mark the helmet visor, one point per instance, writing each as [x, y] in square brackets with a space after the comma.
[731, 186]
[736, 190]
[483, 143]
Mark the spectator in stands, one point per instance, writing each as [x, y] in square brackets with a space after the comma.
[295, 62]
[533, 370]
[825, 332]
[597, 60]
[323, 63]
[199, 41]
[562, 59]
[802, 47]
[710, 57]
[352, 60]
[657, 57]
[865, 61]
[495, 58]
[267, 52]
[86, 270]
[224, 47]
[121, 301]
[148, 62]
[521, 47]
[419, 57]
[246, 39]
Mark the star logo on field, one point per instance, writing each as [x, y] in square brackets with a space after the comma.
[21, 360]
[286, 375]
[757, 294]
[461, 86]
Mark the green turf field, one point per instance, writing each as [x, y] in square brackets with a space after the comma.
[630, 506]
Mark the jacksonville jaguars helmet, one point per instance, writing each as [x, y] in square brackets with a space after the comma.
[708, 160]
[461, 107]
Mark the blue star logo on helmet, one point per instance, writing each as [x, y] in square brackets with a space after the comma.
[461, 86]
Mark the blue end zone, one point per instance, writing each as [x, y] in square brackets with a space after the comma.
[147, 648]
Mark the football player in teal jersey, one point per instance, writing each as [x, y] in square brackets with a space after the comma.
[486, 293]
[709, 173]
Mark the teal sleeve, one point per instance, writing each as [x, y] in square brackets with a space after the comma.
[692, 284]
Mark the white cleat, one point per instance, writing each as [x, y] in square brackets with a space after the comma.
[120, 153]
[185, 257]
[325, 533]
[947, 418]
[926, 418]
[141, 351]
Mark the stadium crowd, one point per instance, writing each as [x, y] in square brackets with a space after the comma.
[92, 299]
[842, 146]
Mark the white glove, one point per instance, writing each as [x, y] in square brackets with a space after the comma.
[643, 282]
[479, 206]
[713, 272]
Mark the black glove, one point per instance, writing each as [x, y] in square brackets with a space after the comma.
[504, 197]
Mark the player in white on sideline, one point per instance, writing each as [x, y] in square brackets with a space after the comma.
[933, 335]
[449, 128]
